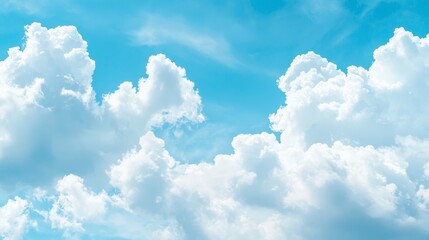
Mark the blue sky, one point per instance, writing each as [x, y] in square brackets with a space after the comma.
[243, 46]
[72, 125]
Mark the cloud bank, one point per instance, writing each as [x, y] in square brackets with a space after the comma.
[351, 161]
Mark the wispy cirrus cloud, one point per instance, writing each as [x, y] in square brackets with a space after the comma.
[157, 30]
[29, 7]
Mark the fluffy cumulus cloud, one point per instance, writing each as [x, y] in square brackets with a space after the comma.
[14, 219]
[166, 96]
[142, 176]
[352, 160]
[387, 100]
[75, 204]
[49, 115]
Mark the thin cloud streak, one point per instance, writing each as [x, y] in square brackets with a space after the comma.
[162, 31]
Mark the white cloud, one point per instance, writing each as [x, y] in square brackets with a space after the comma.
[49, 115]
[344, 156]
[423, 196]
[204, 200]
[266, 189]
[14, 219]
[166, 96]
[388, 100]
[75, 204]
[142, 175]
[351, 161]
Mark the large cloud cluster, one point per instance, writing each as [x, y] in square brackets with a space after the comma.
[352, 161]
[49, 115]
[387, 100]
